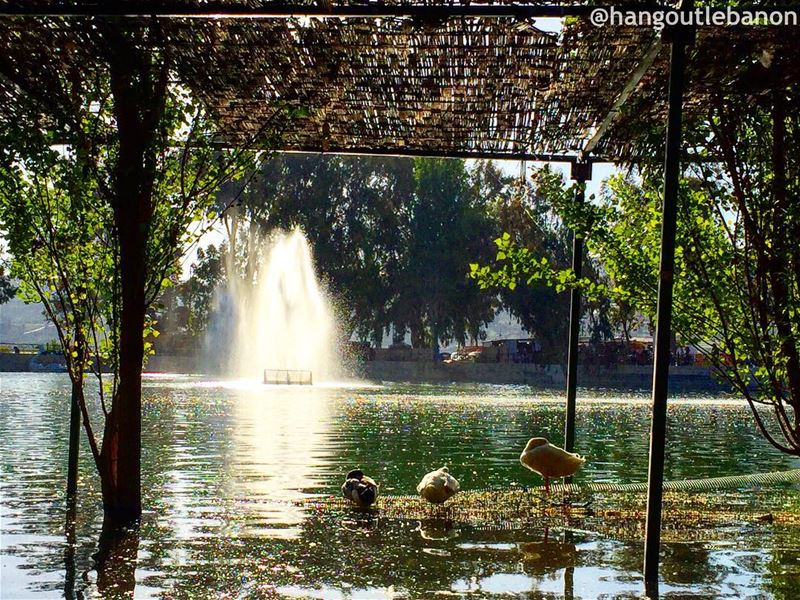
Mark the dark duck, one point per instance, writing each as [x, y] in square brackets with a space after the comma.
[360, 489]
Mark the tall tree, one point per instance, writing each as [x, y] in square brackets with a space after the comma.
[349, 208]
[100, 94]
[446, 224]
[737, 280]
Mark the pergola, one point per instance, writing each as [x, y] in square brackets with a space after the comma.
[455, 78]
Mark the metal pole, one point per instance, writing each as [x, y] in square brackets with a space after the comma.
[655, 477]
[580, 173]
[74, 443]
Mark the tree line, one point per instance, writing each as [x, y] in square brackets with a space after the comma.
[392, 240]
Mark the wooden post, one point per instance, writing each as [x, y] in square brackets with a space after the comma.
[679, 38]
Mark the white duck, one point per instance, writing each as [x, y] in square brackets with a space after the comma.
[360, 489]
[438, 486]
[549, 461]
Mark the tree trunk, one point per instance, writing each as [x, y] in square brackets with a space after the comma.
[121, 454]
[115, 560]
[138, 104]
[74, 442]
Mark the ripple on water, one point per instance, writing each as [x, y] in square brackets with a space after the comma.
[226, 464]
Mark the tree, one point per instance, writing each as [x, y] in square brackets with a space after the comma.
[390, 238]
[350, 210]
[61, 252]
[374, 225]
[97, 98]
[737, 280]
[535, 250]
[521, 211]
[446, 224]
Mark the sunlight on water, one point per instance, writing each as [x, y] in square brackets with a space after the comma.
[254, 385]
[232, 471]
[277, 457]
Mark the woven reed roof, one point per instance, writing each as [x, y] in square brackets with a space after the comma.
[457, 85]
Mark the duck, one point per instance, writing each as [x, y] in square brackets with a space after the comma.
[360, 489]
[549, 461]
[438, 486]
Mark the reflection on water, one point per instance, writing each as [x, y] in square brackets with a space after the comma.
[276, 456]
[224, 463]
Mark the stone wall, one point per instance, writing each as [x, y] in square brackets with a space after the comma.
[623, 377]
[10, 362]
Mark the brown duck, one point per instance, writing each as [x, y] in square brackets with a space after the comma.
[549, 461]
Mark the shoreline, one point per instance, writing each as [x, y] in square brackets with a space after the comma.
[620, 377]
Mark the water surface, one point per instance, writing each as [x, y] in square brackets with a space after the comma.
[225, 463]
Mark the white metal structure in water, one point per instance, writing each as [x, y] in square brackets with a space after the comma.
[287, 377]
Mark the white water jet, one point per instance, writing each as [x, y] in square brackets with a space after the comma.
[283, 319]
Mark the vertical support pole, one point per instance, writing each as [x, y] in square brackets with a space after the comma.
[74, 443]
[655, 477]
[569, 572]
[580, 173]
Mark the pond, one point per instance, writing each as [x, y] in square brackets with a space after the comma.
[227, 466]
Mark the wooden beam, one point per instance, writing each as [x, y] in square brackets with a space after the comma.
[636, 76]
[234, 10]
[416, 152]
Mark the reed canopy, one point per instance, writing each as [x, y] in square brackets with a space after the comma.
[466, 79]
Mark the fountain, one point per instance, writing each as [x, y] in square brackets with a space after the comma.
[283, 320]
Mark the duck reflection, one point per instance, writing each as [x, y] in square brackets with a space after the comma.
[437, 529]
[362, 522]
[547, 555]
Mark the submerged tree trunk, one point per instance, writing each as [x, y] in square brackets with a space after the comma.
[74, 441]
[115, 560]
[139, 93]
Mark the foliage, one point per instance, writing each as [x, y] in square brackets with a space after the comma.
[183, 309]
[390, 238]
[106, 170]
[737, 281]
[533, 257]
[444, 225]
[59, 241]
[349, 208]
[521, 211]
